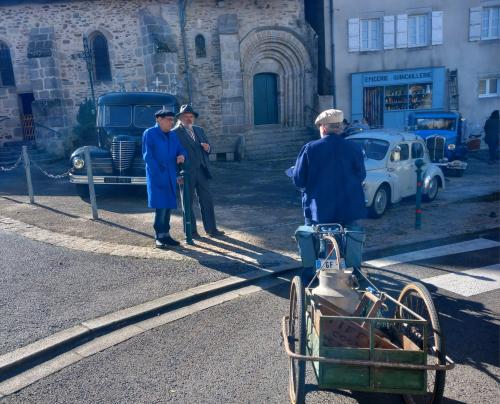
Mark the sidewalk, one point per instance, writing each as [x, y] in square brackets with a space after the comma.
[256, 205]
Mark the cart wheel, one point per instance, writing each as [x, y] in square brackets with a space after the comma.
[297, 341]
[417, 298]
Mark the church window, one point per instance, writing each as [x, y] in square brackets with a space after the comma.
[6, 71]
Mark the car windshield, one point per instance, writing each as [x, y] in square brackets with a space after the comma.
[144, 115]
[374, 149]
[436, 123]
[118, 116]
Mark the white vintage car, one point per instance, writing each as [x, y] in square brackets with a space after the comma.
[390, 168]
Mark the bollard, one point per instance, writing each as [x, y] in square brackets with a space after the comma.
[27, 169]
[186, 206]
[90, 177]
[418, 211]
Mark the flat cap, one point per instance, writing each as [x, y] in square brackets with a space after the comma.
[163, 113]
[329, 116]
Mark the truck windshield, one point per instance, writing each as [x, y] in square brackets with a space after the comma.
[144, 115]
[117, 116]
[374, 149]
[436, 124]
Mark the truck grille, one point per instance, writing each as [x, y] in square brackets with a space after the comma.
[122, 152]
[435, 145]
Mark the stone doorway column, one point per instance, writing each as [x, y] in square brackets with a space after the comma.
[233, 103]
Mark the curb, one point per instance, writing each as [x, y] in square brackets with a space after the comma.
[16, 361]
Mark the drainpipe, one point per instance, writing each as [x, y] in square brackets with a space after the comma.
[182, 19]
[334, 85]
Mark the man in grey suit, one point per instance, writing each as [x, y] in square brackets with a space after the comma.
[194, 140]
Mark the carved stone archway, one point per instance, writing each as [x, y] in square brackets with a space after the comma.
[278, 51]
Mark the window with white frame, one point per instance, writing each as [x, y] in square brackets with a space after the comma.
[417, 30]
[490, 26]
[370, 34]
[489, 87]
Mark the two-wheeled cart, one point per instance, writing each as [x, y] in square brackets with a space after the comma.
[363, 348]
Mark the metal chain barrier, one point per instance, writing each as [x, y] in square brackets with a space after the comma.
[13, 167]
[53, 176]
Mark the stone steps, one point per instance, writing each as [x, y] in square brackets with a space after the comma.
[276, 143]
[11, 152]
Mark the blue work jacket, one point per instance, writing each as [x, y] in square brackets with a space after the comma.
[160, 151]
[330, 172]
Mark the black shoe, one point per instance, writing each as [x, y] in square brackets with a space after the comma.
[216, 233]
[169, 241]
[159, 244]
[195, 234]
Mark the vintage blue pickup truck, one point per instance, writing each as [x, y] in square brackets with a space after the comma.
[445, 136]
[122, 118]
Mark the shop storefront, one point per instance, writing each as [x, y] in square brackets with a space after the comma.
[386, 98]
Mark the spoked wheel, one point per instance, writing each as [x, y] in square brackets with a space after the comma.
[297, 341]
[417, 298]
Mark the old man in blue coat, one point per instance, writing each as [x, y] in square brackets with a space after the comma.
[330, 172]
[162, 152]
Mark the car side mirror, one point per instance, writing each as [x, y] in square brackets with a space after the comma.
[396, 154]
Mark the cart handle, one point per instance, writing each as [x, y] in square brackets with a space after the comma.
[375, 364]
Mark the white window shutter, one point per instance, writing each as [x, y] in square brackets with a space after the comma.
[437, 27]
[475, 24]
[389, 32]
[402, 31]
[353, 34]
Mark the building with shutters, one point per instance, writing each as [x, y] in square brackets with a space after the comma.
[247, 66]
[383, 60]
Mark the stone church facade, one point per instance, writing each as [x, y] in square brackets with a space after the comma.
[247, 66]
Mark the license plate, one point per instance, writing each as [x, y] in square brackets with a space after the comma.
[326, 264]
[117, 180]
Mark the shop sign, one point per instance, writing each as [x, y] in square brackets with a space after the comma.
[393, 77]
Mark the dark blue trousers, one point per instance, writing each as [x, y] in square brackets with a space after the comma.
[162, 222]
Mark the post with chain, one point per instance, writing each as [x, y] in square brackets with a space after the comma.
[418, 210]
[27, 169]
[186, 205]
[90, 177]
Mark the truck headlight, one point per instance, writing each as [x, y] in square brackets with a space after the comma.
[451, 146]
[78, 163]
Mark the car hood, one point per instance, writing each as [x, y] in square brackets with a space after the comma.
[371, 164]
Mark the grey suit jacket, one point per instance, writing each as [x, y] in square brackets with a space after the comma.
[197, 157]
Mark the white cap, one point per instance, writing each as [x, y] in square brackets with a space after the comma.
[329, 116]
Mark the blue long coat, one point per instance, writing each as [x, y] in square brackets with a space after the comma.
[160, 151]
[330, 172]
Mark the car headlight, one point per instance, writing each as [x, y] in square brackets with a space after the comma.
[451, 146]
[78, 163]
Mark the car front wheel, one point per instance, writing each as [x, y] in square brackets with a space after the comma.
[432, 190]
[380, 202]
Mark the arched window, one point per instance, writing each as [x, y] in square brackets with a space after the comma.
[100, 54]
[201, 50]
[6, 71]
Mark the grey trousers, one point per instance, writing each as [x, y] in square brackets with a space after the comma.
[198, 182]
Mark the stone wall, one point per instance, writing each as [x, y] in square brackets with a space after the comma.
[145, 43]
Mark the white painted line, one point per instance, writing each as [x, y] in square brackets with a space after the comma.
[448, 249]
[470, 282]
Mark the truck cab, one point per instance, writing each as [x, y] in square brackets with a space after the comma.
[445, 136]
[122, 118]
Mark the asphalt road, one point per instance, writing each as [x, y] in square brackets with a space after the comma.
[232, 354]
[45, 289]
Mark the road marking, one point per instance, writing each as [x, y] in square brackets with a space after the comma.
[470, 282]
[439, 251]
